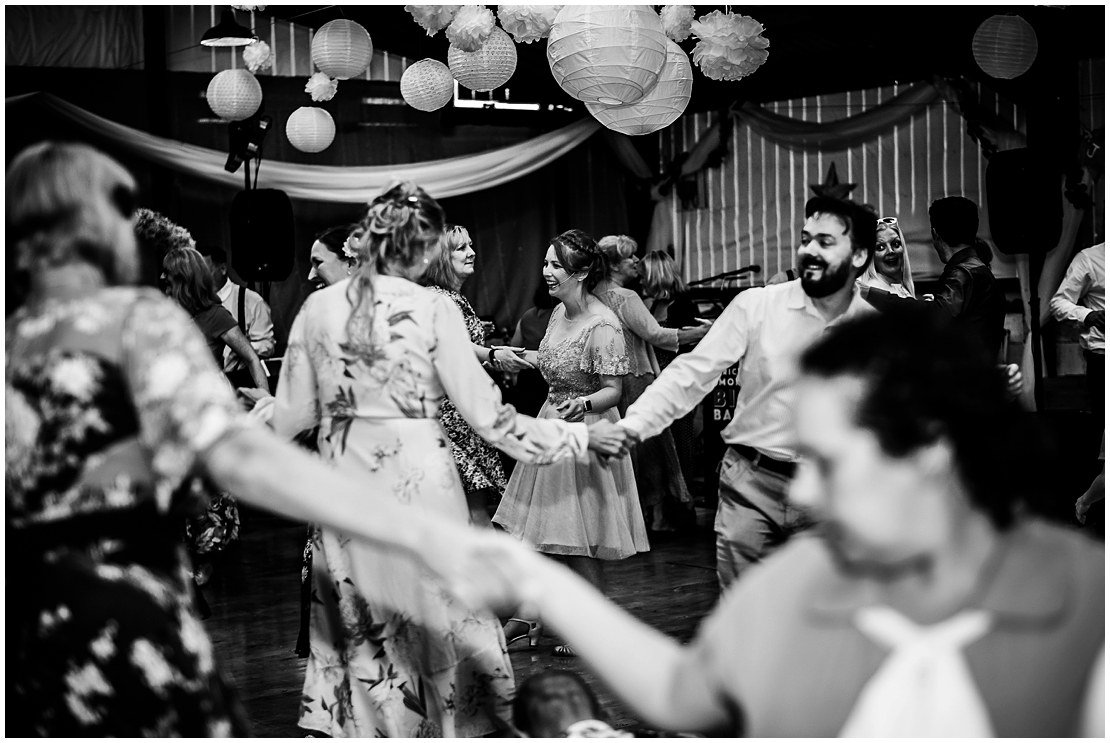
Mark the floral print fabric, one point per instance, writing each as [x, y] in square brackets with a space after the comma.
[478, 463]
[110, 398]
[391, 653]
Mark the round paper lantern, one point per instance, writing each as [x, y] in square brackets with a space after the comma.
[342, 49]
[427, 85]
[1004, 46]
[608, 54]
[488, 68]
[234, 95]
[310, 129]
[660, 107]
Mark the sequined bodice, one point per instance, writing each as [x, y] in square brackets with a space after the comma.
[574, 365]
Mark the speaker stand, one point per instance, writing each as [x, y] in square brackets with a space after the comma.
[1036, 263]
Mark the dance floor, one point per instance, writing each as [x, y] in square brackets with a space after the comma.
[255, 591]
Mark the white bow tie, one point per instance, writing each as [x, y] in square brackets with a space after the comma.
[924, 687]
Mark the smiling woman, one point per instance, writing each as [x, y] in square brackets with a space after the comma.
[890, 268]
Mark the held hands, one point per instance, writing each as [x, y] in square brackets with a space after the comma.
[508, 359]
[610, 440]
[572, 411]
[1096, 320]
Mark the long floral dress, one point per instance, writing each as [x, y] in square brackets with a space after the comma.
[109, 397]
[478, 463]
[391, 653]
[586, 508]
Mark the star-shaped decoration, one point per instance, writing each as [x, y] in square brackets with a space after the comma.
[832, 186]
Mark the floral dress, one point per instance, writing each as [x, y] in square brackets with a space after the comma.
[588, 507]
[109, 398]
[391, 652]
[478, 463]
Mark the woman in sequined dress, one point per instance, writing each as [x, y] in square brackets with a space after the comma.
[581, 512]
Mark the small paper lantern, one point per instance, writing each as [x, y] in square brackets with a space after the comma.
[234, 95]
[310, 129]
[488, 68]
[427, 85]
[1004, 46]
[608, 54]
[659, 108]
[342, 49]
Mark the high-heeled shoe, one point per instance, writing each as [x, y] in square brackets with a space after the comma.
[533, 631]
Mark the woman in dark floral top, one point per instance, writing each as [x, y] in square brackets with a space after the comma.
[113, 407]
[479, 464]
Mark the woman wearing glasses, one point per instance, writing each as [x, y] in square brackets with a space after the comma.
[889, 271]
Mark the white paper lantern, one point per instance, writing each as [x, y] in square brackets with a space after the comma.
[234, 95]
[659, 108]
[427, 85]
[608, 54]
[342, 49]
[488, 68]
[1004, 46]
[310, 129]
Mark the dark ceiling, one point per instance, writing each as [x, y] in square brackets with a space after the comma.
[814, 49]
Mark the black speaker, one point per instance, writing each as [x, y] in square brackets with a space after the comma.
[1024, 201]
[262, 235]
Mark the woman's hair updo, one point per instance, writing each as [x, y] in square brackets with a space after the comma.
[578, 253]
[399, 228]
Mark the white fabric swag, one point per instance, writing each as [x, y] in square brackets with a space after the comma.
[348, 185]
[924, 688]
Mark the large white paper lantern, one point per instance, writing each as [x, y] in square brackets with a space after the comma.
[310, 129]
[1004, 46]
[234, 95]
[342, 49]
[660, 107]
[488, 68]
[608, 54]
[427, 85]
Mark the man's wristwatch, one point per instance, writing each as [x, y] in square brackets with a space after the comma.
[491, 352]
[587, 404]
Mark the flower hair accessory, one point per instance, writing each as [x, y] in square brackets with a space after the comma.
[350, 248]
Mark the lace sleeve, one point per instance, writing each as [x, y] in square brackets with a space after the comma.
[604, 352]
[184, 402]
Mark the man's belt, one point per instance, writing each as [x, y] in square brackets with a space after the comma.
[764, 462]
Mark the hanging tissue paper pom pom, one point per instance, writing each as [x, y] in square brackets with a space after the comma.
[527, 23]
[731, 45]
[257, 56]
[471, 28]
[433, 18]
[676, 21]
[321, 87]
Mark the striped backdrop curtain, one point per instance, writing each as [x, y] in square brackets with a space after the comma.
[751, 209]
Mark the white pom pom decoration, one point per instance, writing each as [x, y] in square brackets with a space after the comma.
[342, 49]
[608, 54]
[471, 27]
[427, 85]
[321, 87]
[488, 68]
[310, 129]
[731, 47]
[433, 18]
[660, 107]
[257, 56]
[527, 23]
[676, 21]
[234, 95]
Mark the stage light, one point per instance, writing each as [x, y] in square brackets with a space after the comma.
[228, 32]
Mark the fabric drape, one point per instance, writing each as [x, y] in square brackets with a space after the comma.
[98, 36]
[441, 178]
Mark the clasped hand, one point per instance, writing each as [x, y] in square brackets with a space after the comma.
[610, 440]
[511, 361]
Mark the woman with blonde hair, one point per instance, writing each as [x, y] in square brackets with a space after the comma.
[113, 408]
[659, 477]
[479, 465]
[371, 360]
[889, 270]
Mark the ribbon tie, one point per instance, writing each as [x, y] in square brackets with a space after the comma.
[924, 687]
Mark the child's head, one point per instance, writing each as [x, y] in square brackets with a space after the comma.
[549, 702]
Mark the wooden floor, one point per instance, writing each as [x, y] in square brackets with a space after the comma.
[254, 598]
